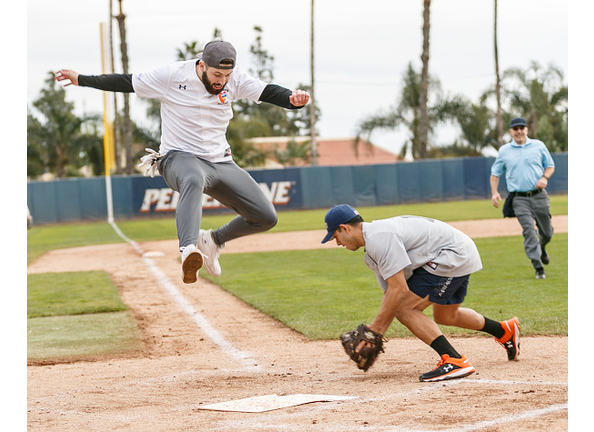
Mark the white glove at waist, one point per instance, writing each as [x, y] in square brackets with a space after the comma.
[149, 162]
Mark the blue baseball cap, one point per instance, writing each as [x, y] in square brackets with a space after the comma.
[336, 216]
[518, 121]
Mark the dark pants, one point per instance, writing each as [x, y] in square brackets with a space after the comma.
[534, 216]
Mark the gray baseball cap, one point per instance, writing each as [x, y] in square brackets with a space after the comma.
[218, 51]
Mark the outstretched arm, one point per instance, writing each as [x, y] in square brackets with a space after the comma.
[107, 82]
[284, 97]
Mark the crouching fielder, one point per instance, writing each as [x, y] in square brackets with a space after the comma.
[418, 262]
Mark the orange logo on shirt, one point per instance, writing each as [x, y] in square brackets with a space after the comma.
[223, 97]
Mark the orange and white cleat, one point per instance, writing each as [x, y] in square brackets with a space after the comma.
[511, 339]
[449, 368]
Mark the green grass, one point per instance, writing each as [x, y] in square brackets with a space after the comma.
[445, 211]
[72, 336]
[71, 293]
[321, 293]
[41, 239]
[506, 286]
[77, 314]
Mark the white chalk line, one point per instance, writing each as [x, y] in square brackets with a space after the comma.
[511, 418]
[126, 239]
[248, 361]
[508, 382]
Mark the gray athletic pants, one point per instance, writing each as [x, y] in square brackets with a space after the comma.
[227, 183]
[531, 210]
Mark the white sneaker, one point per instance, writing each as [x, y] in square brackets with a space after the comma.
[211, 252]
[192, 259]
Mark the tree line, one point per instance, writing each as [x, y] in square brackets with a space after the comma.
[538, 94]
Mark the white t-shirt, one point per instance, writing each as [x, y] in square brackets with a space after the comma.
[409, 242]
[193, 120]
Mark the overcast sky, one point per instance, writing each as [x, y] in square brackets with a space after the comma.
[361, 51]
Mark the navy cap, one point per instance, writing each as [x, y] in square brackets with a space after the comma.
[518, 121]
[217, 51]
[336, 216]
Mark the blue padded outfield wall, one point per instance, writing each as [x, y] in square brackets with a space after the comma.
[432, 180]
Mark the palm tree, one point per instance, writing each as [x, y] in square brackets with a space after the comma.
[408, 111]
[423, 129]
[475, 126]
[121, 18]
[540, 96]
[415, 97]
[499, 117]
[117, 139]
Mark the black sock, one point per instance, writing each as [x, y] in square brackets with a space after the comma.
[442, 346]
[493, 328]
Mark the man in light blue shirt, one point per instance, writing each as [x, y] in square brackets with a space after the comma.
[528, 166]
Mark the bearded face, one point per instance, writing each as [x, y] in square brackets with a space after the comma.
[215, 80]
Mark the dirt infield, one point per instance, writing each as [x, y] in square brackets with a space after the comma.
[204, 346]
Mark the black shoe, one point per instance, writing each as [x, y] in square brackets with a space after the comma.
[544, 256]
[540, 274]
[448, 368]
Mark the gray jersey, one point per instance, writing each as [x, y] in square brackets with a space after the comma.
[409, 242]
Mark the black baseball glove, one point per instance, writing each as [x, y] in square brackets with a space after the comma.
[366, 357]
